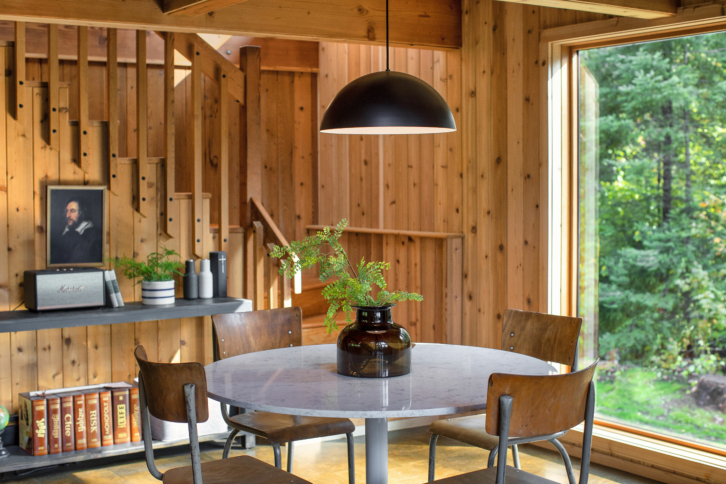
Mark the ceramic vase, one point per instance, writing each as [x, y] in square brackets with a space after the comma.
[157, 293]
[374, 346]
[191, 281]
[205, 280]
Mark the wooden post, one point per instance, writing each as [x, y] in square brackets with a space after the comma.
[223, 171]
[53, 86]
[273, 288]
[112, 104]
[258, 301]
[169, 131]
[250, 132]
[21, 104]
[142, 124]
[286, 292]
[197, 203]
[83, 125]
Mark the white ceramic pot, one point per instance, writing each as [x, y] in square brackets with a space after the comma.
[157, 293]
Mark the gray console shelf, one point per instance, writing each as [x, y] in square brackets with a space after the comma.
[133, 312]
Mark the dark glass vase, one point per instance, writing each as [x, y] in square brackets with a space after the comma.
[374, 346]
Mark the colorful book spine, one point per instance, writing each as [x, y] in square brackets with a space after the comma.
[135, 414]
[33, 435]
[79, 414]
[106, 418]
[55, 442]
[93, 430]
[111, 300]
[121, 430]
[69, 440]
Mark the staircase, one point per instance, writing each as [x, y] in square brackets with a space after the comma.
[314, 308]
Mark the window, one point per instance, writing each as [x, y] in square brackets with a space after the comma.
[651, 270]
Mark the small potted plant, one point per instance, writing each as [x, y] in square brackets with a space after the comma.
[156, 275]
[373, 345]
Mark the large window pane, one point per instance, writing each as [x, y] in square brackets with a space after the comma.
[652, 238]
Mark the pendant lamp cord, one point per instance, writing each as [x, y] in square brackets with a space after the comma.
[387, 68]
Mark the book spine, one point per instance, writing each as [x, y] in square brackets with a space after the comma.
[92, 423]
[54, 421]
[110, 292]
[135, 414]
[79, 406]
[121, 434]
[119, 297]
[69, 441]
[106, 418]
[40, 435]
[25, 426]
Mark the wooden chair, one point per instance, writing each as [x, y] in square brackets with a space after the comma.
[178, 393]
[543, 336]
[522, 409]
[240, 333]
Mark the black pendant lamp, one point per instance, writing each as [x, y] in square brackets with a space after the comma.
[388, 103]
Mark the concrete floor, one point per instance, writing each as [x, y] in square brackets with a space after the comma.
[326, 462]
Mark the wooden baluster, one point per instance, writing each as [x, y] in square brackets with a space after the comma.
[223, 171]
[53, 86]
[83, 125]
[142, 124]
[197, 204]
[21, 101]
[258, 254]
[169, 131]
[273, 288]
[286, 292]
[112, 108]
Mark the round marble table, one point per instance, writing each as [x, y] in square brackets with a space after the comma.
[302, 380]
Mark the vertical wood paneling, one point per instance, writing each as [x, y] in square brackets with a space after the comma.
[170, 224]
[197, 146]
[83, 113]
[223, 181]
[143, 201]
[112, 107]
[53, 79]
[20, 92]
[6, 81]
[302, 155]
[285, 134]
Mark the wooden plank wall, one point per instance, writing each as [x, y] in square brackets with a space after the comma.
[485, 181]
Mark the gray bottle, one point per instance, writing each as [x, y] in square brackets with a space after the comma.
[191, 281]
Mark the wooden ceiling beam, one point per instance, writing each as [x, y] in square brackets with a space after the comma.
[191, 8]
[416, 23]
[643, 9]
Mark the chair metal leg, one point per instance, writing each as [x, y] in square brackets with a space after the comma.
[515, 455]
[492, 456]
[351, 458]
[228, 443]
[566, 458]
[432, 456]
[290, 447]
[278, 458]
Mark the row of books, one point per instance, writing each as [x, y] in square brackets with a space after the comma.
[113, 292]
[58, 421]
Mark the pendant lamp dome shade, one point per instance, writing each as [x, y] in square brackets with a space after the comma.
[388, 103]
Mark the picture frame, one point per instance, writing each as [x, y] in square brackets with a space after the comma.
[76, 226]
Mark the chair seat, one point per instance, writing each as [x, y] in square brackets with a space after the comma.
[279, 429]
[470, 430]
[486, 476]
[243, 470]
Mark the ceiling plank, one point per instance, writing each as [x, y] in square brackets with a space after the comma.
[418, 23]
[191, 8]
[643, 9]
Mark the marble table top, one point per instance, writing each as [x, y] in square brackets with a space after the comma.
[302, 380]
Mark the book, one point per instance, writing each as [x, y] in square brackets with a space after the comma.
[111, 300]
[79, 417]
[93, 433]
[55, 445]
[120, 408]
[106, 418]
[33, 436]
[117, 290]
[135, 413]
[69, 434]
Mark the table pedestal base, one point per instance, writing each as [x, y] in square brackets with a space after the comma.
[376, 451]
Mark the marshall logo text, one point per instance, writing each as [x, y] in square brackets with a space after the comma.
[65, 288]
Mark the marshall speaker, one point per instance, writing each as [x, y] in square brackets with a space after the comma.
[218, 261]
[64, 289]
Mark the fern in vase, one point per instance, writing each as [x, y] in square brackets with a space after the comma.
[350, 285]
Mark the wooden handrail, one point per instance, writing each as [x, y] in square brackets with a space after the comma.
[272, 233]
[409, 233]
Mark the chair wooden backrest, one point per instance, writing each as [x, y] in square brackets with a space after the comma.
[164, 386]
[242, 333]
[542, 405]
[544, 336]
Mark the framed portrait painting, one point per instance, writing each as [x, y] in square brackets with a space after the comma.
[76, 235]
